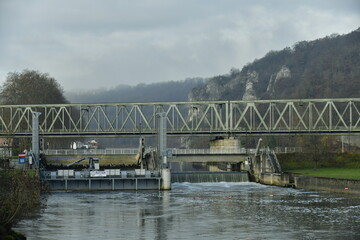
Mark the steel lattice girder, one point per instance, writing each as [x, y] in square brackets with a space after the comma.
[186, 118]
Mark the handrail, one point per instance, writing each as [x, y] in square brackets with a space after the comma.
[174, 151]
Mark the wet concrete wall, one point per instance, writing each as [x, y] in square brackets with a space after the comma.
[277, 179]
[327, 184]
[310, 183]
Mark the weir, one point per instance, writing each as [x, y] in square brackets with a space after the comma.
[113, 179]
[152, 174]
[202, 177]
[220, 119]
[92, 178]
[70, 180]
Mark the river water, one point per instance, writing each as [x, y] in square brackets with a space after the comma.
[198, 211]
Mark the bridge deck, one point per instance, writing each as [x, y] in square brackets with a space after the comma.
[260, 117]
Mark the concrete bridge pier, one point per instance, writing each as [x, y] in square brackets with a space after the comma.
[165, 179]
[163, 153]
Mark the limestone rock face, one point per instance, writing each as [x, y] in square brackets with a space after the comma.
[216, 88]
[241, 86]
[252, 78]
[324, 68]
[282, 74]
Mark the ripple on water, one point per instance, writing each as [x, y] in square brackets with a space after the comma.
[198, 210]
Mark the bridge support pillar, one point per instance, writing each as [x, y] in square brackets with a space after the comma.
[226, 144]
[165, 179]
[35, 138]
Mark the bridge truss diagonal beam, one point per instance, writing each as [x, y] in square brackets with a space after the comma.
[326, 116]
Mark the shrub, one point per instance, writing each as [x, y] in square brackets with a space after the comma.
[19, 196]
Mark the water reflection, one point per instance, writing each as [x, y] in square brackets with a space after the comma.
[205, 211]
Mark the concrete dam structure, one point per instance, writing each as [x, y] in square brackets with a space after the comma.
[116, 171]
[106, 160]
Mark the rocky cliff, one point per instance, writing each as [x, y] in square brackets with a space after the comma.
[324, 68]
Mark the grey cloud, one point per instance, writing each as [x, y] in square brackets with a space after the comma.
[91, 44]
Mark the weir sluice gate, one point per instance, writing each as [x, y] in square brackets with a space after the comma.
[153, 171]
[93, 177]
[109, 179]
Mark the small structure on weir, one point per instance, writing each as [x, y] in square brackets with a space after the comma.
[154, 171]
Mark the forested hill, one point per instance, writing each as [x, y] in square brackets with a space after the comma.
[155, 92]
[325, 68]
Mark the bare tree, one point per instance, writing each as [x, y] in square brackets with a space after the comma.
[31, 87]
[317, 147]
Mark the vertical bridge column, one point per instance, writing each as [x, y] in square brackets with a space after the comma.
[35, 138]
[162, 151]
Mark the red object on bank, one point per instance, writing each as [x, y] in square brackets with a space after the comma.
[22, 157]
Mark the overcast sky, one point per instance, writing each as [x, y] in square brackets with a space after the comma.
[87, 44]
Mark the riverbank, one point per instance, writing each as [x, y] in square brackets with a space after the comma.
[327, 184]
[348, 173]
[336, 172]
[295, 180]
[10, 234]
[20, 198]
[346, 180]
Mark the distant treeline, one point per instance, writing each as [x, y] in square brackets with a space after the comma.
[154, 92]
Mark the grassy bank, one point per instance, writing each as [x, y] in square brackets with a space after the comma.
[348, 173]
[334, 165]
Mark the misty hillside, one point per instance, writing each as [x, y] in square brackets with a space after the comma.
[155, 92]
[323, 68]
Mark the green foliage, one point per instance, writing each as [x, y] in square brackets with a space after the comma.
[334, 160]
[347, 160]
[295, 160]
[9, 237]
[349, 173]
[10, 234]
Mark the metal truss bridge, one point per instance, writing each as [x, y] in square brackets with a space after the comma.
[217, 118]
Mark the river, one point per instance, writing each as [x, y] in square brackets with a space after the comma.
[198, 211]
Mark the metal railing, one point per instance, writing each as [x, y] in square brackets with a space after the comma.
[210, 151]
[174, 151]
[287, 149]
[107, 151]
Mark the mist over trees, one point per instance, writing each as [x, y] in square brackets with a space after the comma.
[172, 91]
[154, 92]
